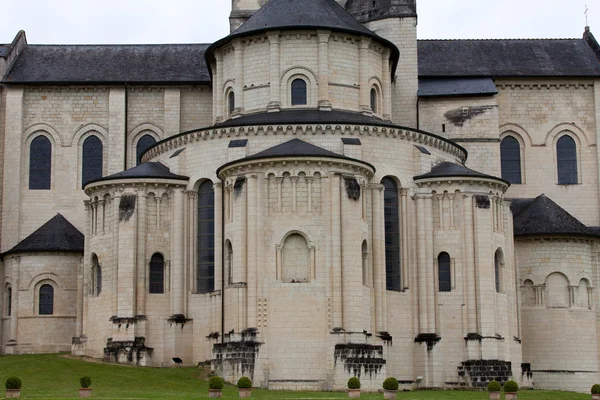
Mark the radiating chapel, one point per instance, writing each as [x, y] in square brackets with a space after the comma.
[316, 196]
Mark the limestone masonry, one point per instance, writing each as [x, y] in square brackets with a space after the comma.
[316, 196]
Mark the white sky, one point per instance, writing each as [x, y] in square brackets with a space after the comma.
[205, 21]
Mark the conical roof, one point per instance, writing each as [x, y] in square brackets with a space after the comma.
[150, 170]
[448, 169]
[57, 234]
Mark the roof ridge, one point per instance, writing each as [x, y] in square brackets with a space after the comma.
[117, 44]
[493, 39]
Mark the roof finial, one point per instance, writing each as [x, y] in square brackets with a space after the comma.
[586, 15]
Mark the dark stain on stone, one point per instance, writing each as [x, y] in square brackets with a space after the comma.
[431, 339]
[482, 201]
[352, 188]
[360, 358]
[481, 372]
[459, 116]
[237, 356]
[238, 186]
[133, 350]
[126, 207]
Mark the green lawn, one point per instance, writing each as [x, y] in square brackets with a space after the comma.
[55, 377]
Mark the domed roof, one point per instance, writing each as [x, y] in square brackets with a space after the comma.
[303, 15]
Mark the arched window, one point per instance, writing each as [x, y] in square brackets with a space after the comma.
[444, 273]
[365, 263]
[9, 301]
[510, 160]
[566, 158]
[374, 100]
[528, 294]
[40, 163]
[557, 290]
[498, 270]
[206, 238]
[392, 235]
[143, 144]
[298, 92]
[46, 300]
[91, 163]
[229, 262]
[296, 259]
[157, 273]
[230, 102]
[97, 275]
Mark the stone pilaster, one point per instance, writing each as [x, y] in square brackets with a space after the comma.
[274, 72]
[363, 54]
[324, 102]
[116, 127]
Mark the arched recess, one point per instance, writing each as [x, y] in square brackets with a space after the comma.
[92, 159]
[528, 294]
[391, 200]
[299, 92]
[298, 72]
[156, 274]
[229, 261]
[582, 139]
[54, 136]
[511, 159]
[136, 134]
[46, 298]
[584, 294]
[557, 290]
[55, 279]
[568, 160]
[205, 268]
[295, 258]
[89, 129]
[499, 270]
[444, 272]
[517, 131]
[8, 300]
[376, 95]
[96, 275]
[40, 163]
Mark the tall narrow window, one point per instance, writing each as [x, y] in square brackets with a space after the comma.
[444, 274]
[365, 263]
[9, 301]
[374, 100]
[97, 275]
[40, 163]
[510, 160]
[231, 102]
[566, 157]
[206, 238]
[392, 235]
[497, 271]
[299, 92]
[157, 273]
[91, 163]
[46, 300]
[229, 261]
[143, 144]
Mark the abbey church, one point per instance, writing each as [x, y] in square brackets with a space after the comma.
[316, 196]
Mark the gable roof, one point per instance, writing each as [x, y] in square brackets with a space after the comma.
[58, 234]
[149, 170]
[507, 57]
[542, 216]
[60, 64]
[448, 169]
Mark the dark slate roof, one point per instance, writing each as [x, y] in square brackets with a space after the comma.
[510, 58]
[3, 50]
[150, 170]
[447, 169]
[368, 10]
[294, 148]
[303, 116]
[542, 216]
[58, 234]
[165, 63]
[302, 15]
[434, 87]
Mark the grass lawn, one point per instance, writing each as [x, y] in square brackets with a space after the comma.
[53, 376]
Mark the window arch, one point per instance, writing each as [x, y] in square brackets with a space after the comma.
[528, 294]
[510, 160]
[557, 290]
[498, 261]
[296, 259]
[157, 273]
[392, 234]
[444, 273]
[374, 100]
[46, 300]
[143, 144]
[91, 163]
[9, 301]
[96, 275]
[206, 238]
[566, 158]
[365, 263]
[299, 92]
[230, 102]
[229, 261]
[40, 163]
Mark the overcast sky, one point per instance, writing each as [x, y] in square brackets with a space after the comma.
[204, 21]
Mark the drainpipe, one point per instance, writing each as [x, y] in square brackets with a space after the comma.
[222, 260]
[126, 109]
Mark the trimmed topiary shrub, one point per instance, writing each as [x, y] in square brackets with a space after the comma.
[216, 382]
[390, 384]
[511, 387]
[85, 382]
[244, 383]
[13, 383]
[596, 389]
[494, 386]
[353, 383]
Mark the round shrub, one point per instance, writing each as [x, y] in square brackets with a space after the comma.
[596, 389]
[13, 383]
[85, 382]
[216, 382]
[390, 384]
[353, 383]
[244, 383]
[511, 387]
[494, 386]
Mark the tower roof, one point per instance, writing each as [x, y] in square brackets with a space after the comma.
[58, 234]
[148, 170]
[448, 169]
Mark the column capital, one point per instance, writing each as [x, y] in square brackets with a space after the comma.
[364, 43]
[273, 37]
[323, 35]
[439, 196]
[294, 179]
[216, 185]
[87, 204]
[376, 186]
